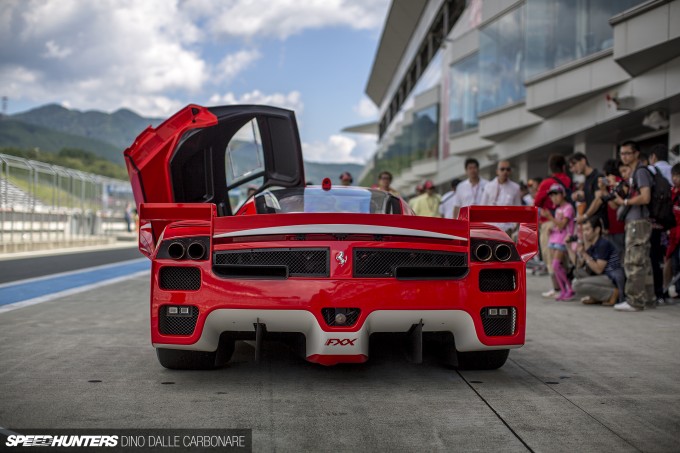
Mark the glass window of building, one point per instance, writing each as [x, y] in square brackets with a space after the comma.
[561, 31]
[463, 95]
[424, 134]
[501, 61]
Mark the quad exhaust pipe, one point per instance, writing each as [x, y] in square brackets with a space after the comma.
[484, 252]
[503, 252]
[196, 251]
[176, 250]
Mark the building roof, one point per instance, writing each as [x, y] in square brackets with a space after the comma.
[402, 21]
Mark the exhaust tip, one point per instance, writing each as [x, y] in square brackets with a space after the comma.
[503, 252]
[176, 250]
[196, 251]
[483, 252]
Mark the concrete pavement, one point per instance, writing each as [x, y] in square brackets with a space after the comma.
[588, 379]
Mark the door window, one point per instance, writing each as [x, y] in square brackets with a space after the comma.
[244, 157]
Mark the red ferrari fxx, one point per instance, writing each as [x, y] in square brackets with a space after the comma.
[242, 249]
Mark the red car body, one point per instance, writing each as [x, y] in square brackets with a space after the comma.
[325, 267]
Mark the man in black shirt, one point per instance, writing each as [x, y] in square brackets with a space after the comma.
[579, 165]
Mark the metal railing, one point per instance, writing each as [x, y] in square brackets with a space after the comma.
[41, 202]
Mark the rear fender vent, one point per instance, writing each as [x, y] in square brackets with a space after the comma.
[174, 278]
[497, 280]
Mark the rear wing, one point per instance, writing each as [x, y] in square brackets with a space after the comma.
[155, 217]
[525, 216]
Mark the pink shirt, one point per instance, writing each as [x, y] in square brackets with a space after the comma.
[566, 211]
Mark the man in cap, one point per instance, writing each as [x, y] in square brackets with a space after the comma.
[346, 178]
[426, 204]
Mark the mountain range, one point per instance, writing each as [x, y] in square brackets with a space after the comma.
[53, 127]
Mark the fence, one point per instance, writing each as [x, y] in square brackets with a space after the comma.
[46, 203]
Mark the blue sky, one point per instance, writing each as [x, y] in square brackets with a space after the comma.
[154, 56]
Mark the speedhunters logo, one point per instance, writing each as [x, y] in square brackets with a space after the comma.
[127, 440]
[61, 441]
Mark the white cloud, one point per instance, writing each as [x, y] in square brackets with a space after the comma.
[233, 64]
[54, 51]
[283, 18]
[102, 55]
[290, 101]
[366, 109]
[340, 148]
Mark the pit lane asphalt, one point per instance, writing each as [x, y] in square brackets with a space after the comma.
[41, 264]
[588, 379]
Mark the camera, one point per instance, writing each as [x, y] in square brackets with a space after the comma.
[572, 238]
[620, 189]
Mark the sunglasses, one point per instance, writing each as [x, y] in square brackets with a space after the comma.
[505, 169]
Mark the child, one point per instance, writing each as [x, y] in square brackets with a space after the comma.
[563, 220]
[671, 261]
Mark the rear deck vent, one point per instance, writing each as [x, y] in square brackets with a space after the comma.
[272, 263]
[409, 264]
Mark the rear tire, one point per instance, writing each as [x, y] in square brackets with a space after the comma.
[182, 359]
[482, 360]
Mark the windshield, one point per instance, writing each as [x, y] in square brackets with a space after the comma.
[315, 199]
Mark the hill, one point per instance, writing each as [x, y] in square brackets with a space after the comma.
[119, 128]
[52, 127]
[17, 134]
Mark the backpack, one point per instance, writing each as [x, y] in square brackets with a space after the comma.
[660, 204]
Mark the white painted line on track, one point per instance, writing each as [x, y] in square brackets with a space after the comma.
[69, 292]
[77, 271]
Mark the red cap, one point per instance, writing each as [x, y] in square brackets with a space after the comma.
[428, 184]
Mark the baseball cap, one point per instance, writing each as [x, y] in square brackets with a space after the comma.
[345, 176]
[428, 184]
[556, 188]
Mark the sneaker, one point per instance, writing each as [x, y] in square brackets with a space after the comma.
[550, 293]
[660, 301]
[672, 291]
[563, 297]
[625, 306]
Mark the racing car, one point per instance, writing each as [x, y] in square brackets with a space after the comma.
[242, 249]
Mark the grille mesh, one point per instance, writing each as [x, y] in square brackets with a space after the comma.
[351, 313]
[180, 278]
[383, 262]
[497, 280]
[496, 326]
[301, 262]
[177, 325]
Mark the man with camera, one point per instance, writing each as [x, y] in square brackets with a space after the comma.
[637, 263]
[598, 275]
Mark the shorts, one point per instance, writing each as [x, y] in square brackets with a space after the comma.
[556, 246]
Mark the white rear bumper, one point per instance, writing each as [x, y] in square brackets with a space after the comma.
[321, 342]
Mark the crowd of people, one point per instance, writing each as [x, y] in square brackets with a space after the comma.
[604, 235]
